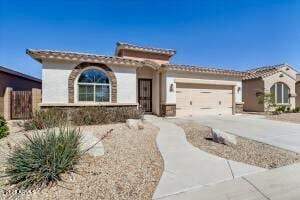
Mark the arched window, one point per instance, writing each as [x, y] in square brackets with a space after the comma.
[93, 86]
[281, 92]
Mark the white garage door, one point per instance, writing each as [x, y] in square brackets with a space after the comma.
[197, 99]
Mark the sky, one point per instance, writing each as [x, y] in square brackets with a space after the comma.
[234, 34]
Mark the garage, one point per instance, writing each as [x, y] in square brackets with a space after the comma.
[203, 99]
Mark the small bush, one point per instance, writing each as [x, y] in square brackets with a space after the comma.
[104, 115]
[3, 127]
[288, 109]
[280, 109]
[40, 160]
[297, 109]
[46, 119]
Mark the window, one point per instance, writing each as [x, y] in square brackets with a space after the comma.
[93, 86]
[281, 92]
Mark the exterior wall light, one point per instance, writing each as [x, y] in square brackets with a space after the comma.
[172, 87]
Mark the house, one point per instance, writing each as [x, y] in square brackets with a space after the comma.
[14, 81]
[279, 80]
[137, 76]
[298, 90]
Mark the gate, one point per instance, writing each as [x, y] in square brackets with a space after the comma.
[145, 94]
[21, 104]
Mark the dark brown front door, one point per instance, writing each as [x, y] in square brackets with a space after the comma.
[145, 94]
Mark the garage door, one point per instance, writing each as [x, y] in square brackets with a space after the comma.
[197, 99]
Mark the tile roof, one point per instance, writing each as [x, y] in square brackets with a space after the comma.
[193, 68]
[39, 55]
[262, 72]
[123, 45]
[19, 74]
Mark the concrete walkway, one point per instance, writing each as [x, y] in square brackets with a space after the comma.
[187, 167]
[277, 133]
[280, 184]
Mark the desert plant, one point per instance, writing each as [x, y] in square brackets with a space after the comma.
[3, 127]
[104, 115]
[46, 119]
[40, 160]
[281, 108]
[268, 99]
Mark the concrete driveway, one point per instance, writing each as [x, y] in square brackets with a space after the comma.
[281, 134]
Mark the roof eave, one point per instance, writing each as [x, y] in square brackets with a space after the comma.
[130, 47]
[186, 69]
[31, 54]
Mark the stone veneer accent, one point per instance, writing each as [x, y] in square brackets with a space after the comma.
[239, 107]
[168, 110]
[78, 69]
[107, 108]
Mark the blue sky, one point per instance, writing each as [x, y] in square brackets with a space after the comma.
[236, 34]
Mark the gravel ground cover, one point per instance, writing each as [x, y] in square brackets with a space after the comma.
[246, 151]
[288, 117]
[130, 168]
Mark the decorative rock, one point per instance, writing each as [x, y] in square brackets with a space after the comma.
[90, 140]
[140, 125]
[134, 124]
[222, 137]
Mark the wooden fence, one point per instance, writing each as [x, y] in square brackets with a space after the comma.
[21, 104]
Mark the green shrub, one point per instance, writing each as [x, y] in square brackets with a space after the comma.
[288, 109]
[46, 119]
[281, 109]
[3, 127]
[297, 109]
[104, 115]
[40, 160]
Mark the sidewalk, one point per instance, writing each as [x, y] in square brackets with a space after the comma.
[187, 168]
[280, 184]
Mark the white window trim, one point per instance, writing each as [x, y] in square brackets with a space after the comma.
[282, 94]
[76, 87]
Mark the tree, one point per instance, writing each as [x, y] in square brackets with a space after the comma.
[266, 98]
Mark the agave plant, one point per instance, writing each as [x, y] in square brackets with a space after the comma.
[41, 159]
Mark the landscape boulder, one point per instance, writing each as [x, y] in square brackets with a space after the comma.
[222, 137]
[134, 124]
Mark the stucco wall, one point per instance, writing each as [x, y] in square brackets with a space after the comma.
[289, 71]
[250, 88]
[55, 82]
[281, 77]
[298, 94]
[172, 75]
[138, 55]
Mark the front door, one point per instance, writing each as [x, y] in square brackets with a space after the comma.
[145, 94]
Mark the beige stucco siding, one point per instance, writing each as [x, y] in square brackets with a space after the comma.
[289, 71]
[298, 94]
[250, 88]
[281, 77]
[55, 77]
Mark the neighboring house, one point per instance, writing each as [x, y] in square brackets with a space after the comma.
[298, 90]
[137, 76]
[277, 79]
[14, 81]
